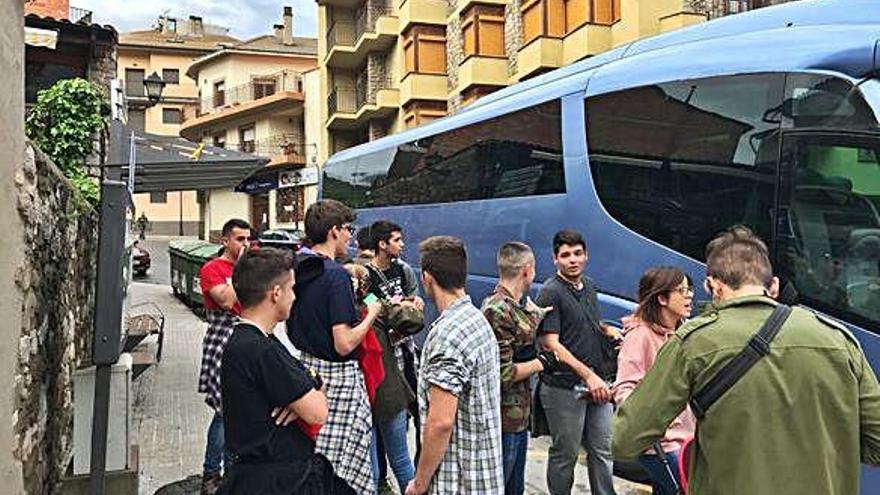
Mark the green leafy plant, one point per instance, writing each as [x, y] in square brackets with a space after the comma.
[63, 124]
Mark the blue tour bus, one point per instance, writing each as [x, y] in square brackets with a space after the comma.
[768, 119]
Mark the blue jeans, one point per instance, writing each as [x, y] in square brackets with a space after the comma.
[215, 451]
[660, 475]
[393, 434]
[513, 450]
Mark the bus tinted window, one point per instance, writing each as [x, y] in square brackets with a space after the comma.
[829, 247]
[679, 162]
[519, 154]
[816, 100]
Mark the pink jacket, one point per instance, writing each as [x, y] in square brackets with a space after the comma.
[637, 355]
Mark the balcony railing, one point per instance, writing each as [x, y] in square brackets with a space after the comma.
[351, 98]
[347, 32]
[78, 15]
[284, 147]
[259, 87]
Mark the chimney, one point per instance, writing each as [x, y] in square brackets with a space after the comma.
[168, 25]
[288, 25]
[196, 26]
[279, 32]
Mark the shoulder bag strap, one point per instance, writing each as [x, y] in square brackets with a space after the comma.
[757, 347]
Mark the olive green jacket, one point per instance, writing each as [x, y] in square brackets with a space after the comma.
[799, 422]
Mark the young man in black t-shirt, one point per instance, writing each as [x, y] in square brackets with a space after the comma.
[270, 402]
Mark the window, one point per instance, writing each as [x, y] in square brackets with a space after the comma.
[247, 139]
[418, 112]
[264, 86]
[829, 241]
[474, 93]
[171, 116]
[424, 49]
[171, 76]
[483, 30]
[290, 204]
[219, 140]
[543, 18]
[736, 6]
[134, 82]
[814, 100]
[219, 94]
[158, 197]
[679, 162]
[519, 154]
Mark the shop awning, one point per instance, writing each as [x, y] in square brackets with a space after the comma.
[46, 38]
[171, 163]
[278, 177]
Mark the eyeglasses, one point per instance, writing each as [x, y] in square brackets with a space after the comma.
[350, 228]
[685, 291]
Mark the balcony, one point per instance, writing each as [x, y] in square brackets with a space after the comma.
[479, 70]
[350, 107]
[373, 29]
[280, 94]
[417, 86]
[421, 12]
[281, 149]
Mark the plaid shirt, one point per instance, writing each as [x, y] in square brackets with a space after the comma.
[220, 326]
[461, 356]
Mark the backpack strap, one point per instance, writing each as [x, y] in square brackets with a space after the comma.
[757, 347]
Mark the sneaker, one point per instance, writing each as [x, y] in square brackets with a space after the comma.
[210, 483]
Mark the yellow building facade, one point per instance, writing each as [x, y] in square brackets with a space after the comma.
[388, 65]
[253, 99]
[168, 49]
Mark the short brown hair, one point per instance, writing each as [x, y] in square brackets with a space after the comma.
[323, 215]
[257, 272]
[445, 258]
[738, 257]
[512, 257]
[655, 282]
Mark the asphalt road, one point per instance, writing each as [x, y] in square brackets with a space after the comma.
[160, 269]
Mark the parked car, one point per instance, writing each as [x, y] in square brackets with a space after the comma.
[140, 259]
[282, 238]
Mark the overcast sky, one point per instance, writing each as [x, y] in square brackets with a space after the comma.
[245, 19]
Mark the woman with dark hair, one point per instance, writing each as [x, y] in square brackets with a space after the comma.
[665, 297]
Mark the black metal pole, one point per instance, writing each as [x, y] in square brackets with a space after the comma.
[100, 417]
[180, 205]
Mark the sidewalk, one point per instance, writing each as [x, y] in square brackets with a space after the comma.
[171, 419]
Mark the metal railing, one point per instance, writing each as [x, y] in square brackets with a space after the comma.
[77, 15]
[351, 98]
[284, 146]
[259, 87]
[347, 32]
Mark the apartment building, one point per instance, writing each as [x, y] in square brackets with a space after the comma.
[166, 49]
[388, 65]
[253, 97]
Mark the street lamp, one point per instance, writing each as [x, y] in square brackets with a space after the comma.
[154, 86]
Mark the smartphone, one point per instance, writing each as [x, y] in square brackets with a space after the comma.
[371, 298]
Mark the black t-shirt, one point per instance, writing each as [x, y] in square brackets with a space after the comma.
[389, 283]
[258, 375]
[575, 317]
[321, 303]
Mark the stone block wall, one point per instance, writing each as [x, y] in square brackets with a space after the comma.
[718, 8]
[454, 58]
[513, 34]
[56, 284]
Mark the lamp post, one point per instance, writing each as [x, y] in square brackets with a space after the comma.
[153, 85]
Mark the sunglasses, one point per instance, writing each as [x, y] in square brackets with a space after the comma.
[350, 228]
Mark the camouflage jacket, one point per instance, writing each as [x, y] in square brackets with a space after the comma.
[514, 328]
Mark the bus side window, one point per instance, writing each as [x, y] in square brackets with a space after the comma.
[679, 162]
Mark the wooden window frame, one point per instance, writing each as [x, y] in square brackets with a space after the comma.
[415, 35]
[476, 14]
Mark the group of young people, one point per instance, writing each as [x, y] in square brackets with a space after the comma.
[326, 413]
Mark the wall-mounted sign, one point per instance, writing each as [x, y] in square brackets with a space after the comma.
[301, 177]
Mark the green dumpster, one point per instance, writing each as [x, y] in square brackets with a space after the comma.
[178, 254]
[195, 259]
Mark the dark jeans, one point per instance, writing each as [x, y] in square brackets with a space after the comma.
[663, 482]
[576, 423]
[513, 448]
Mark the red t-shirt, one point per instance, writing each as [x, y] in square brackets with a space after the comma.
[216, 272]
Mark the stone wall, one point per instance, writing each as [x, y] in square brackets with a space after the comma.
[513, 34]
[454, 58]
[719, 8]
[57, 285]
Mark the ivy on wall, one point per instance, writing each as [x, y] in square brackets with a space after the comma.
[63, 124]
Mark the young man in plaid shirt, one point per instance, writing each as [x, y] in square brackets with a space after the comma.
[459, 385]
[222, 311]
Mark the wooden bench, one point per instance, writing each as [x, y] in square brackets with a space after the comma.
[142, 321]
